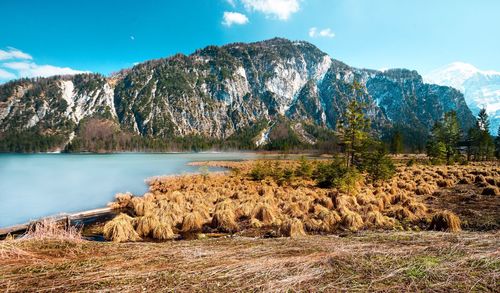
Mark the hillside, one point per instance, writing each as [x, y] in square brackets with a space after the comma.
[240, 95]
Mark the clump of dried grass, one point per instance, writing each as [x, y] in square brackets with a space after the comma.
[141, 206]
[122, 200]
[352, 221]
[163, 231]
[293, 228]
[121, 229]
[49, 228]
[376, 219]
[146, 224]
[445, 221]
[225, 220]
[193, 222]
[264, 213]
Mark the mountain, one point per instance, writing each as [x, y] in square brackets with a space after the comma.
[238, 95]
[481, 88]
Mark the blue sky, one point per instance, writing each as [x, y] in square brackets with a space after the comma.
[47, 37]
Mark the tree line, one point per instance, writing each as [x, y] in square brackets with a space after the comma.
[448, 143]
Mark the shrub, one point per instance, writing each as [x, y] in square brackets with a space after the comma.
[375, 162]
[304, 169]
[258, 172]
[437, 152]
[336, 174]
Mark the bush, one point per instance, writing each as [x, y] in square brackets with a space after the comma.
[258, 172]
[336, 174]
[375, 162]
[304, 169]
[436, 152]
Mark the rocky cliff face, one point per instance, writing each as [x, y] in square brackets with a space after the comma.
[217, 91]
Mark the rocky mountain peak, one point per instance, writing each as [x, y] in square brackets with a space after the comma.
[221, 91]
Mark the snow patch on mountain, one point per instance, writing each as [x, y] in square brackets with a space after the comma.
[481, 88]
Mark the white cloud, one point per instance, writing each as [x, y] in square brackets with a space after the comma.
[324, 33]
[4, 74]
[231, 2]
[282, 9]
[13, 53]
[20, 64]
[231, 18]
[31, 69]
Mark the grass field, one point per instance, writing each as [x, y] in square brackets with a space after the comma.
[367, 261]
[375, 238]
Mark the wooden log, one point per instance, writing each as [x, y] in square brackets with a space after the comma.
[81, 218]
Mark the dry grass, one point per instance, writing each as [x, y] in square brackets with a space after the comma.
[121, 229]
[445, 221]
[49, 228]
[233, 203]
[369, 261]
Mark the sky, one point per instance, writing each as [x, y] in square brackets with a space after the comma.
[41, 38]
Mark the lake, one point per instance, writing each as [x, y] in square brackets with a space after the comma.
[39, 185]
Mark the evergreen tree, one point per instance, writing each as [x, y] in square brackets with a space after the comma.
[353, 130]
[481, 145]
[444, 139]
[397, 142]
[483, 121]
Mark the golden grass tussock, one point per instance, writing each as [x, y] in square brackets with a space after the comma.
[121, 229]
[229, 203]
[163, 231]
[244, 210]
[122, 200]
[331, 221]
[193, 222]
[346, 201]
[445, 221]
[376, 219]
[225, 221]
[445, 183]
[293, 228]
[352, 221]
[254, 223]
[144, 225]
[313, 225]
[51, 229]
[141, 206]
[423, 189]
[264, 213]
[293, 210]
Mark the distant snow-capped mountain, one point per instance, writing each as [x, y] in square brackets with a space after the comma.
[481, 88]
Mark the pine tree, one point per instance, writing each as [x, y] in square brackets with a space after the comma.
[483, 121]
[397, 142]
[481, 144]
[353, 130]
[444, 139]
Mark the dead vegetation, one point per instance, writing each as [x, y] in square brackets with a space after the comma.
[313, 258]
[367, 261]
[50, 229]
[238, 203]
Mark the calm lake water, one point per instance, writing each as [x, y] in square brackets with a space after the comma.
[38, 185]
